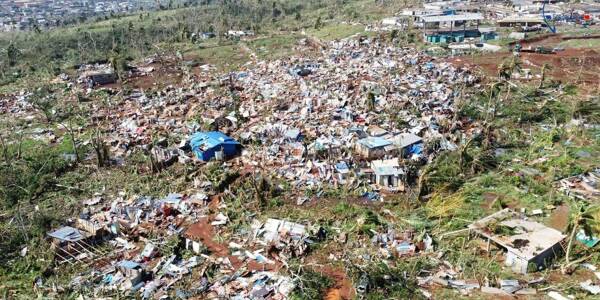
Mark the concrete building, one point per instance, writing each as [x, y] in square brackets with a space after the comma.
[406, 143]
[452, 27]
[529, 245]
[387, 174]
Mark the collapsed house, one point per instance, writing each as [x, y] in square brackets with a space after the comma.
[342, 172]
[583, 186]
[98, 77]
[287, 239]
[527, 244]
[193, 238]
[274, 229]
[133, 273]
[73, 245]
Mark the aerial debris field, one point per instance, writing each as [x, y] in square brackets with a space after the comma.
[414, 156]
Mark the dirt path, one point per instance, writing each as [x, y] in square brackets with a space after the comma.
[203, 231]
[342, 287]
[559, 219]
[569, 65]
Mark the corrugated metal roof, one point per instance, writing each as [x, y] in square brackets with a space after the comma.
[374, 142]
[127, 264]
[388, 170]
[67, 233]
[386, 167]
[406, 139]
[522, 19]
[453, 18]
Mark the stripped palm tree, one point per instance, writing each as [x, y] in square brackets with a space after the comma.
[371, 102]
[508, 67]
[545, 68]
[585, 217]
[114, 59]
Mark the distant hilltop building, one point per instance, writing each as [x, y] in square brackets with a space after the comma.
[27, 14]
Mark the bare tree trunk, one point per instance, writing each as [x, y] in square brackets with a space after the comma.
[71, 133]
[20, 148]
[543, 75]
[100, 149]
[4, 149]
[570, 244]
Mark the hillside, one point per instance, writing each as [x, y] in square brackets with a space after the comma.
[284, 150]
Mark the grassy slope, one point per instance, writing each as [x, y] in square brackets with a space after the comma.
[450, 212]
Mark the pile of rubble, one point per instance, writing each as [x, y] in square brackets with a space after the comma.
[584, 186]
[358, 113]
[144, 259]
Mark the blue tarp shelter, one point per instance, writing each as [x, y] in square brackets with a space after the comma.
[205, 145]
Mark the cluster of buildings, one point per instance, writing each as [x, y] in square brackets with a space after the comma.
[362, 112]
[459, 21]
[29, 14]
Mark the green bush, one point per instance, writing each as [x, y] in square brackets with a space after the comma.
[25, 179]
[310, 284]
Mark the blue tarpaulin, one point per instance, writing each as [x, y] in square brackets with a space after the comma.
[206, 144]
[589, 241]
[415, 149]
[127, 264]
[341, 167]
[372, 196]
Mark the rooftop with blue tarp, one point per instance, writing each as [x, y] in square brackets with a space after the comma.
[407, 139]
[206, 144]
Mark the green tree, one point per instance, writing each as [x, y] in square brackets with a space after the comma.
[12, 54]
[393, 35]
[117, 62]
